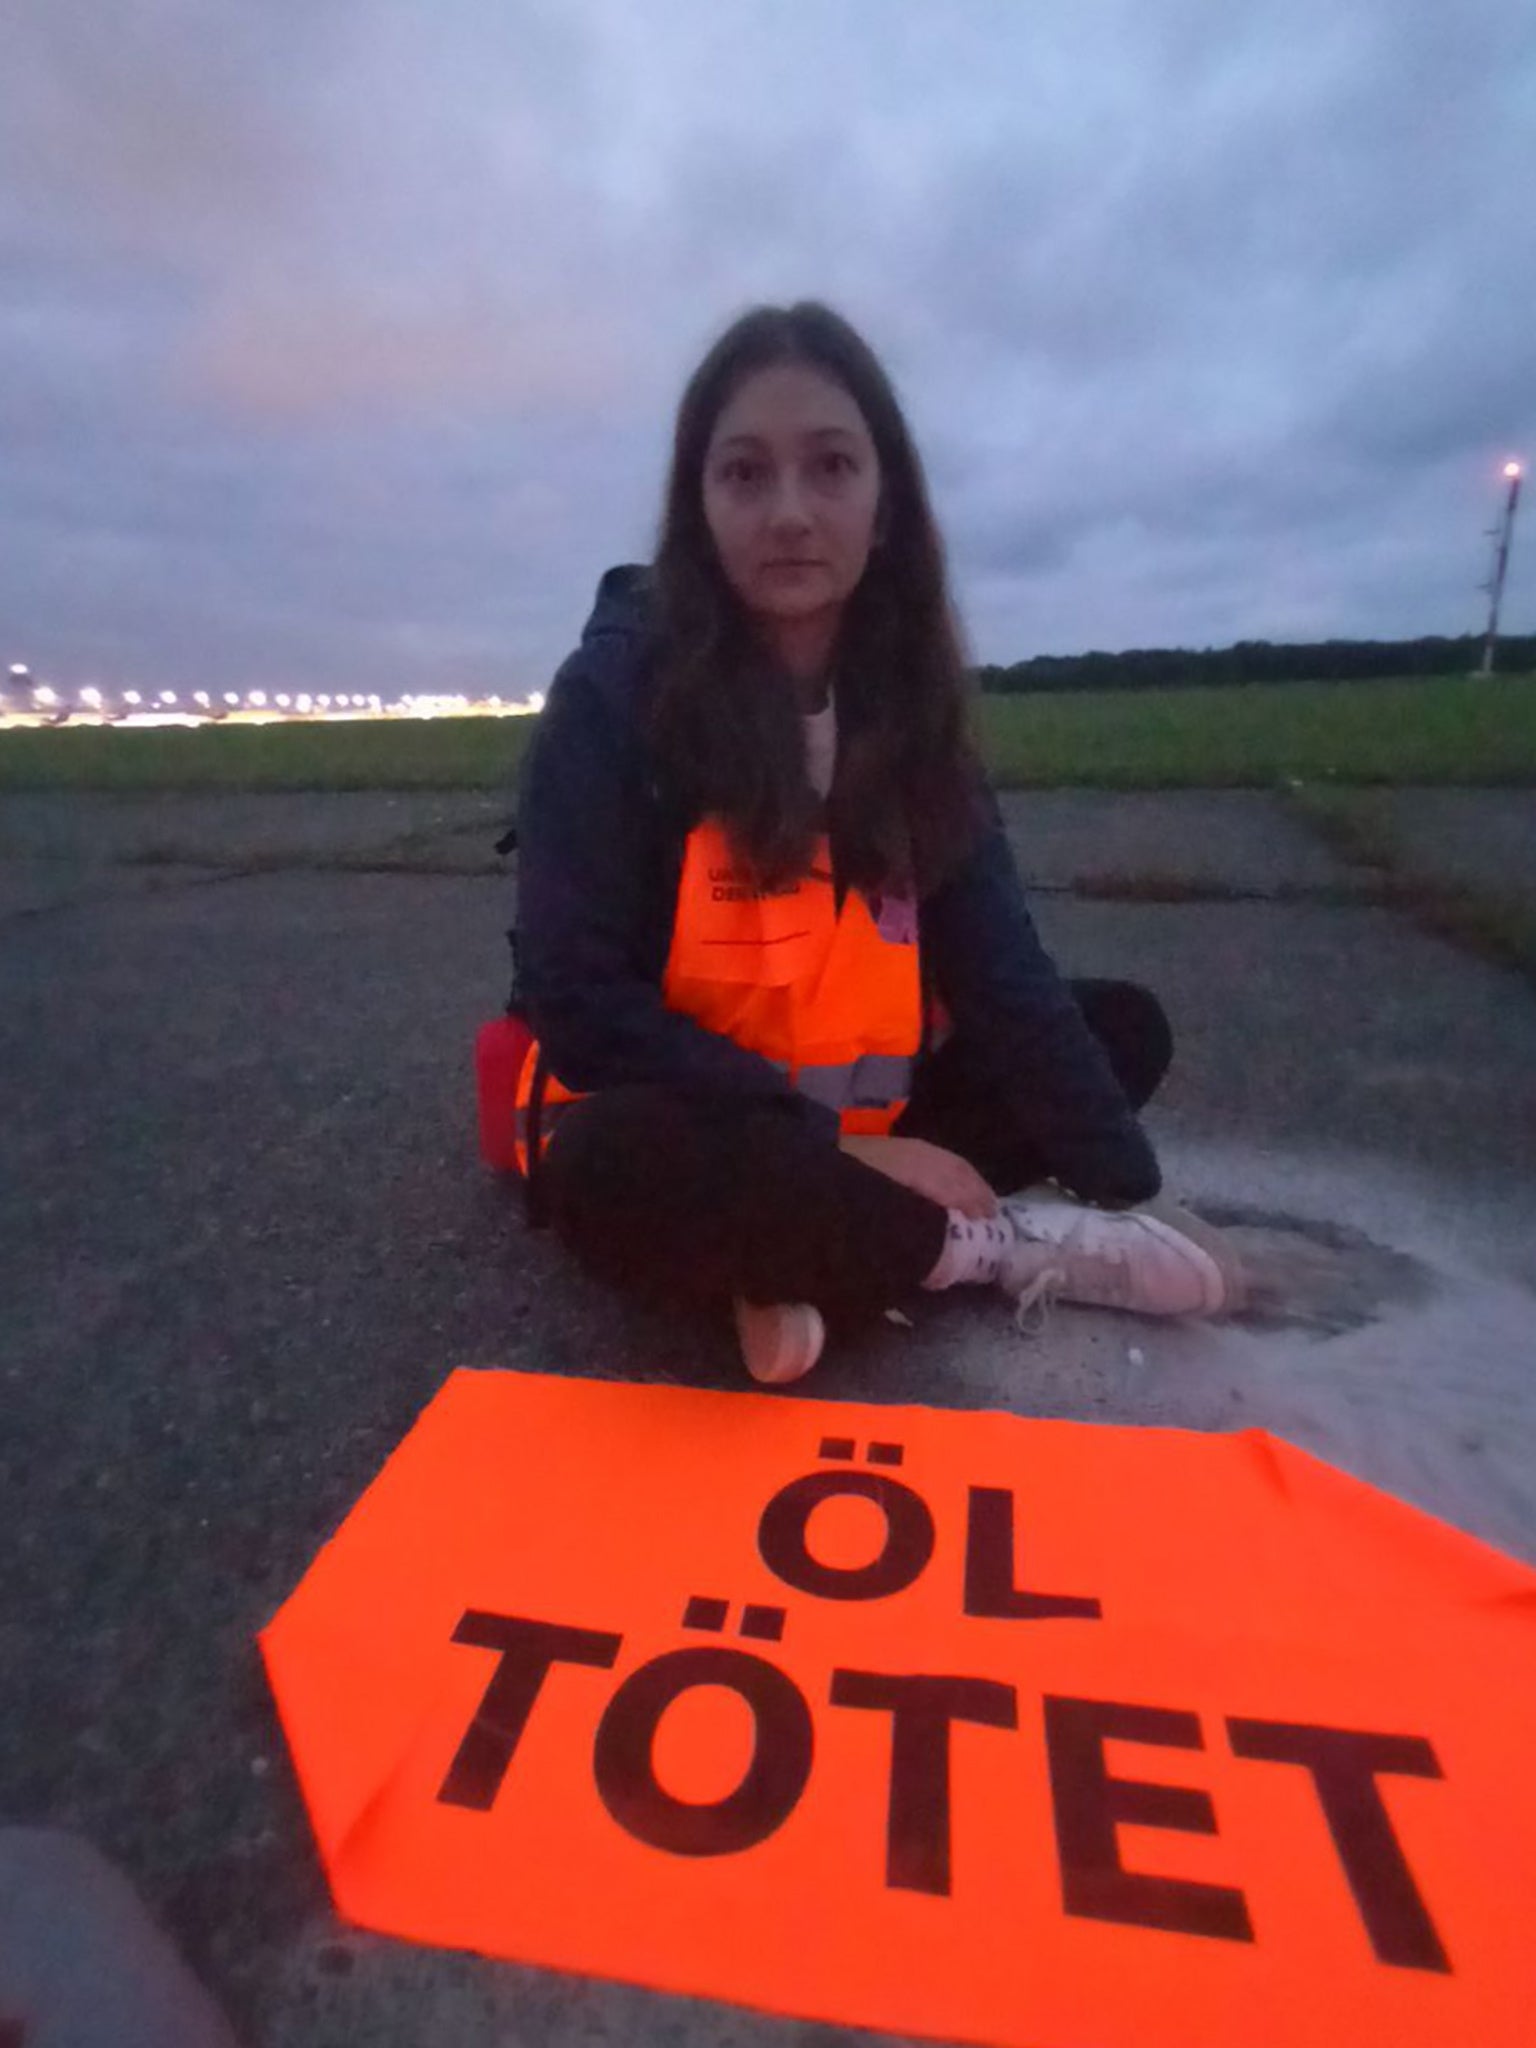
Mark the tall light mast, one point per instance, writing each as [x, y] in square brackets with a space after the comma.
[1495, 584]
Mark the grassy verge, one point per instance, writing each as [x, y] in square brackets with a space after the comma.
[1449, 729]
[1452, 729]
[1357, 824]
[427, 753]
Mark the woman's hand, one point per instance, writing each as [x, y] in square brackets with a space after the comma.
[944, 1177]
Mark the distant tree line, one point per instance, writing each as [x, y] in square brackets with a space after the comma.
[1257, 661]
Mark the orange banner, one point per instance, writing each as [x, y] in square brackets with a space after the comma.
[1033, 1733]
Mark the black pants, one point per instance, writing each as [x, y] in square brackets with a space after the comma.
[680, 1196]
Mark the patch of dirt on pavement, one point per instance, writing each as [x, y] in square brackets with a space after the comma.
[1312, 1276]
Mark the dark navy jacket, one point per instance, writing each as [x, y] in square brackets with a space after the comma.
[599, 861]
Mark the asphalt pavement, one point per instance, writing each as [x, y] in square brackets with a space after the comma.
[245, 1234]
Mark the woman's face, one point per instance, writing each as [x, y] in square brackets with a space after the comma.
[791, 478]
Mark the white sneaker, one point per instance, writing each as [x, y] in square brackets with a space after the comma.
[1157, 1260]
[780, 1341]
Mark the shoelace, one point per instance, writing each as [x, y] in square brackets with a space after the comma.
[1032, 1311]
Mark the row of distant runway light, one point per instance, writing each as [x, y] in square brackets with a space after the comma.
[26, 701]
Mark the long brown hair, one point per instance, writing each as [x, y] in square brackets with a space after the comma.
[903, 808]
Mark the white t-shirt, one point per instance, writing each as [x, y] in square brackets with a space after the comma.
[821, 745]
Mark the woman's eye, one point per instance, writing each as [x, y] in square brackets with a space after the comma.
[744, 470]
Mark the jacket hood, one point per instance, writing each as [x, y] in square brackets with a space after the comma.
[623, 605]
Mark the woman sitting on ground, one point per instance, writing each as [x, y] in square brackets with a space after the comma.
[799, 1046]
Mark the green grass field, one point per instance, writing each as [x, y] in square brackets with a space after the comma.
[1460, 729]
[1453, 729]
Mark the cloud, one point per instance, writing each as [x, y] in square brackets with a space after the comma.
[156, 130]
[338, 334]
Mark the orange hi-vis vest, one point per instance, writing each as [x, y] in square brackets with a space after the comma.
[829, 996]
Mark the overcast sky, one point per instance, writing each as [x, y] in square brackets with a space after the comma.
[341, 340]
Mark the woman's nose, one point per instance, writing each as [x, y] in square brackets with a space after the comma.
[786, 507]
